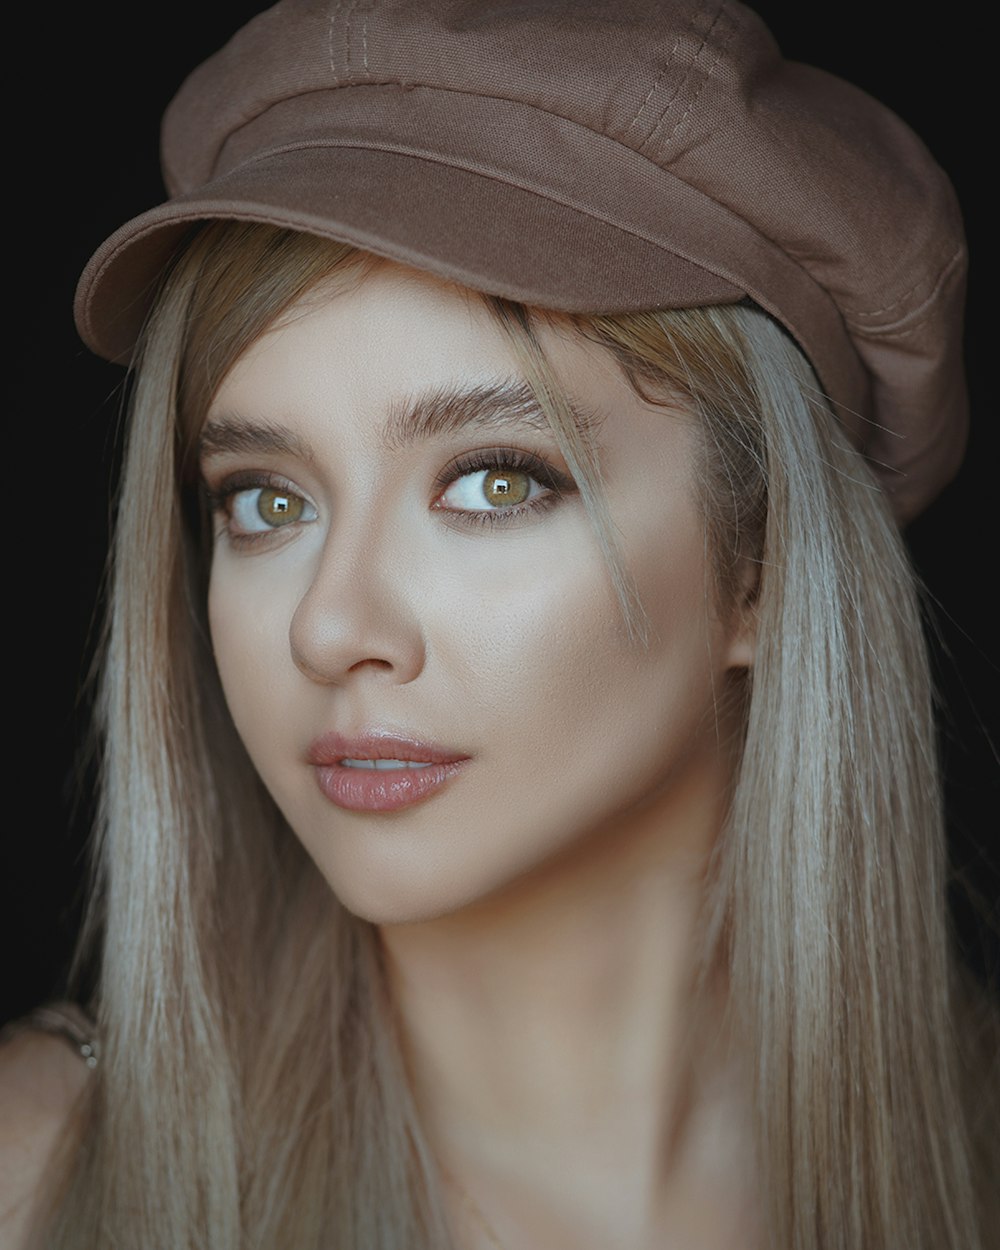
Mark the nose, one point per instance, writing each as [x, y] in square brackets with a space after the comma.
[358, 617]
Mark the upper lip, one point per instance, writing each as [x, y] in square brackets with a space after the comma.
[373, 744]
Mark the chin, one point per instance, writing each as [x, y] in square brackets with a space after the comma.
[398, 893]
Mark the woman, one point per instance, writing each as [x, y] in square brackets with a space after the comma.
[332, 1005]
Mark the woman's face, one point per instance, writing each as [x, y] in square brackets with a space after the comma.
[404, 571]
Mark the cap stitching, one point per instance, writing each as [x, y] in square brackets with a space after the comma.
[690, 70]
[347, 38]
[930, 282]
[704, 81]
[905, 325]
[656, 82]
[855, 318]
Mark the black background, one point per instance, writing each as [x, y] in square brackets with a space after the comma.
[81, 148]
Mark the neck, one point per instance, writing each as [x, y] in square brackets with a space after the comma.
[553, 1032]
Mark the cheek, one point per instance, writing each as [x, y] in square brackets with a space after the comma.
[552, 679]
[519, 629]
[248, 622]
[633, 715]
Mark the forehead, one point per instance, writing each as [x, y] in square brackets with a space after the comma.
[406, 355]
[377, 335]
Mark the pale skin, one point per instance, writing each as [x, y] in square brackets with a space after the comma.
[538, 913]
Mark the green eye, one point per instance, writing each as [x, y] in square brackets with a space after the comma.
[506, 487]
[490, 490]
[279, 507]
[263, 509]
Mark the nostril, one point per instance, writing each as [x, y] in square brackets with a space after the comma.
[336, 635]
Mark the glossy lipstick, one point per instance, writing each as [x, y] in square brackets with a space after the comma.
[365, 789]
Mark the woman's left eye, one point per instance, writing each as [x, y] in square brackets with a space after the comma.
[493, 484]
[493, 488]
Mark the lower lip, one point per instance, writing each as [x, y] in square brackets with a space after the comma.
[383, 790]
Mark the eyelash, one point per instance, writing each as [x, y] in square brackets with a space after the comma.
[220, 501]
[557, 485]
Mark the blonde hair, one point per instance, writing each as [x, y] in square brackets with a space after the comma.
[251, 1092]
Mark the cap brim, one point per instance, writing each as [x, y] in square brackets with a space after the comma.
[511, 242]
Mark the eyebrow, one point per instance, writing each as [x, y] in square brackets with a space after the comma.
[237, 434]
[501, 406]
[504, 405]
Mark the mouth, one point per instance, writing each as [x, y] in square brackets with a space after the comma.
[380, 772]
[384, 765]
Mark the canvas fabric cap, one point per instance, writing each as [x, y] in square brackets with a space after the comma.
[585, 156]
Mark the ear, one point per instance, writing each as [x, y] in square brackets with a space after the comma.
[742, 643]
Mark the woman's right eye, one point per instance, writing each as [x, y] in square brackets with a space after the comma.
[255, 510]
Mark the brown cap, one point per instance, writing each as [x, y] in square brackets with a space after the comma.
[585, 156]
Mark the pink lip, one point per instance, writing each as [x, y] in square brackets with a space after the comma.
[385, 790]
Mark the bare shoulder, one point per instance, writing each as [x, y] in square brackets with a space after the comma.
[41, 1081]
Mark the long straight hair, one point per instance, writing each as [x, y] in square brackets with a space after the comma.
[251, 1091]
